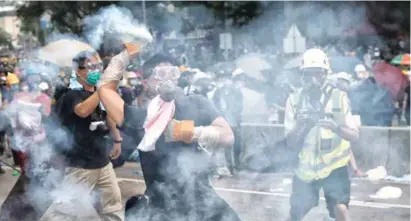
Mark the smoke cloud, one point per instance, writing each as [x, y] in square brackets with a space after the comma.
[113, 25]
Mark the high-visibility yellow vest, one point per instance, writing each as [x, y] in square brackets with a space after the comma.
[317, 163]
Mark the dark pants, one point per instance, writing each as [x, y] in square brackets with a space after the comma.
[178, 189]
[305, 196]
[232, 155]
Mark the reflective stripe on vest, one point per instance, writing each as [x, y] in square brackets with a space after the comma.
[316, 163]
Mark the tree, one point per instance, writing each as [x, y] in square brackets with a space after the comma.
[66, 16]
[5, 40]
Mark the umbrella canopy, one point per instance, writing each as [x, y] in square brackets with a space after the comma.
[61, 52]
[253, 64]
[391, 78]
[253, 103]
[403, 59]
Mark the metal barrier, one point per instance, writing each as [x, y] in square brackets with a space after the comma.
[377, 146]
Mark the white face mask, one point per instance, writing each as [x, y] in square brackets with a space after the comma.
[3, 78]
[43, 86]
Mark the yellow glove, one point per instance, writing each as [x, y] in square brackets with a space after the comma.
[179, 131]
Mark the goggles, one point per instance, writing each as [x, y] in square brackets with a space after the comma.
[166, 73]
[92, 66]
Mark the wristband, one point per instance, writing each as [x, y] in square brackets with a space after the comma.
[118, 141]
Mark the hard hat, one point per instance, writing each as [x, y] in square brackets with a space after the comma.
[343, 76]
[12, 79]
[315, 58]
[360, 68]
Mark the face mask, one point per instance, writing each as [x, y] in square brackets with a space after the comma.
[93, 77]
[3, 78]
[167, 90]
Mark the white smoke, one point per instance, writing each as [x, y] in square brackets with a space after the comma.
[115, 23]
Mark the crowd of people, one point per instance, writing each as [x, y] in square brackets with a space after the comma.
[174, 119]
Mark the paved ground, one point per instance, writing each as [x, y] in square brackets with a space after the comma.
[265, 197]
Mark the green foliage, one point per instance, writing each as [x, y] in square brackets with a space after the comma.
[5, 40]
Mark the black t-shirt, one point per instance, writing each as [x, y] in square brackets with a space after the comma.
[89, 149]
[175, 162]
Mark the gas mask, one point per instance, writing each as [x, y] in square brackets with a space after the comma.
[167, 90]
[313, 78]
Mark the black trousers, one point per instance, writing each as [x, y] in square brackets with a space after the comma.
[178, 189]
[232, 155]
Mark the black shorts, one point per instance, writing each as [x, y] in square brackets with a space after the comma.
[305, 196]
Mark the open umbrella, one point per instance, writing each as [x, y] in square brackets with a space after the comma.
[253, 64]
[403, 59]
[61, 52]
[391, 78]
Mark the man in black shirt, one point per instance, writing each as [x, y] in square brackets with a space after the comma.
[87, 156]
[179, 132]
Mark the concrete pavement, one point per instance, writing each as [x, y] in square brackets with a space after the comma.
[264, 197]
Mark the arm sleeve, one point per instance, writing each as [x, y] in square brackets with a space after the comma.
[206, 110]
[289, 121]
[134, 119]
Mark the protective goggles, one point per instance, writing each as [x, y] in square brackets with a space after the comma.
[166, 73]
[92, 66]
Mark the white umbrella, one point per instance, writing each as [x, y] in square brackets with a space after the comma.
[253, 64]
[61, 52]
[253, 104]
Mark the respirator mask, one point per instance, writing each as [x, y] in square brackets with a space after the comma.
[313, 80]
[94, 72]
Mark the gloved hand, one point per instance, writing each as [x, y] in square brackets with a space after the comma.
[179, 131]
[132, 48]
[115, 69]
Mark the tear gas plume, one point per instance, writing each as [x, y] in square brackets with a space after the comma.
[113, 25]
[257, 44]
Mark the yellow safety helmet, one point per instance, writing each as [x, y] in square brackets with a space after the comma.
[12, 79]
[315, 58]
